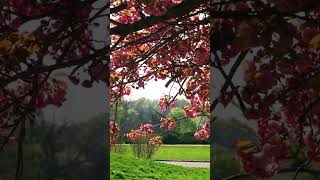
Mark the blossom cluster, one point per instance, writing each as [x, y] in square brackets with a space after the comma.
[135, 8]
[134, 134]
[155, 141]
[264, 163]
[146, 129]
[191, 112]
[165, 103]
[143, 131]
[114, 131]
[204, 133]
[167, 123]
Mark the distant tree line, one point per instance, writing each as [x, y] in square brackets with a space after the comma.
[130, 114]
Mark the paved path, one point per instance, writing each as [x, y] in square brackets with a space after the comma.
[202, 145]
[173, 144]
[188, 163]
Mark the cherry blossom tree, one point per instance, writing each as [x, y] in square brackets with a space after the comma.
[277, 42]
[169, 40]
[162, 40]
[38, 39]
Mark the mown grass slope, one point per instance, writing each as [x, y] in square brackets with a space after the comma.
[127, 167]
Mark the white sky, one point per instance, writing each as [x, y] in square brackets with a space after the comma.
[154, 90]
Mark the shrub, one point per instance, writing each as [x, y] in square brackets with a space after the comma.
[146, 146]
[118, 148]
[144, 141]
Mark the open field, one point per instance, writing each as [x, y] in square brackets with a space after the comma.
[177, 152]
[225, 164]
[126, 167]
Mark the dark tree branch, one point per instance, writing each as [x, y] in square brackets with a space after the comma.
[178, 11]
[228, 81]
[77, 61]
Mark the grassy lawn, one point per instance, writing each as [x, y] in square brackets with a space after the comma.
[127, 167]
[183, 153]
[178, 152]
[225, 163]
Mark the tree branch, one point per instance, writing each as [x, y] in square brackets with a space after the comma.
[177, 11]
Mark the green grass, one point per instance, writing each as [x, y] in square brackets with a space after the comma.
[183, 153]
[126, 167]
[225, 164]
[178, 152]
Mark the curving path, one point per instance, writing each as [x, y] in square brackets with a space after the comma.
[196, 164]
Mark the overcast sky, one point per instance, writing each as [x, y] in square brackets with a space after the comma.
[81, 103]
[154, 90]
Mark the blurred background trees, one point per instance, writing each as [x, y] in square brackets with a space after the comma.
[60, 151]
